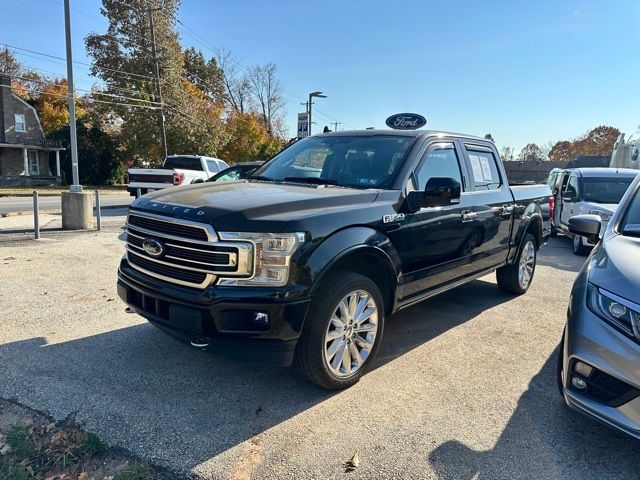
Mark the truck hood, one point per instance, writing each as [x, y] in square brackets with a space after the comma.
[246, 206]
[603, 207]
[615, 267]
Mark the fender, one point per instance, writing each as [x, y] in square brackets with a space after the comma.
[532, 213]
[347, 242]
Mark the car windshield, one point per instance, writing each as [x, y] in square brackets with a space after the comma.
[231, 174]
[605, 190]
[630, 224]
[183, 163]
[365, 161]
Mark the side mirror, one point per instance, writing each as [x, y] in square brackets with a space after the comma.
[586, 225]
[439, 192]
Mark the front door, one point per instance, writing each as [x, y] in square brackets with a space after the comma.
[570, 197]
[433, 242]
[494, 207]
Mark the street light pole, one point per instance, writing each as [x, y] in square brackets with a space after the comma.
[75, 186]
[311, 95]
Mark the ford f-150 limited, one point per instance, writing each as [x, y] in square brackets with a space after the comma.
[302, 262]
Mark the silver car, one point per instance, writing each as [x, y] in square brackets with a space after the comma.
[599, 360]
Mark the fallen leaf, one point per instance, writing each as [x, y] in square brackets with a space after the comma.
[84, 476]
[4, 450]
[10, 258]
[50, 427]
[110, 299]
[353, 463]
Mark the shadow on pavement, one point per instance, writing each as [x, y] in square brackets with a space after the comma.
[546, 435]
[175, 402]
[558, 253]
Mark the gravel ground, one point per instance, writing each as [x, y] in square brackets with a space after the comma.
[463, 387]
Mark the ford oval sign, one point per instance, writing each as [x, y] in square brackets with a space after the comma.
[153, 247]
[406, 121]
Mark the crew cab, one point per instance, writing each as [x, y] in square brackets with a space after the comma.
[302, 261]
[595, 191]
[175, 170]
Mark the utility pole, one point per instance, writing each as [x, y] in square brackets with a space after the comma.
[156, 73]
[335, 126]
[75, 186]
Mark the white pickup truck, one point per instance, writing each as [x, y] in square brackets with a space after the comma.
[175, 170]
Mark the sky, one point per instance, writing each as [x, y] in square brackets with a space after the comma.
[523, 71]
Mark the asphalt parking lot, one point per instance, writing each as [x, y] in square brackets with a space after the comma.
[464, 386]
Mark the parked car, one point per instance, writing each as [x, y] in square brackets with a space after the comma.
[235, 172]
[594, 191]
[302, 261]
[599, 359]
[175, 170]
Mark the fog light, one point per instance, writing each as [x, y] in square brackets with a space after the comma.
[579, 383]
[583, 369]
[261, 318]
[617, 310]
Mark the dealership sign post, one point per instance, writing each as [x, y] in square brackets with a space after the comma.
[303, 125]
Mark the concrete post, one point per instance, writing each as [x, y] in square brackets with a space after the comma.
[25, 160]
[36, 216]
[57, 163]
[77, 211]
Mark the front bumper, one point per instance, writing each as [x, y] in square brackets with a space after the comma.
[223, 319]
[616, 357]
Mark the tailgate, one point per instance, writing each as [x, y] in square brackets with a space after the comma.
[150, 176]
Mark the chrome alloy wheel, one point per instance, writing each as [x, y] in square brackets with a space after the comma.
[527, 264]
[351, 333]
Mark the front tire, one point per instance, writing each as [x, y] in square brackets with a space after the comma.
[342, 332]
[517, 277]
[579, 248]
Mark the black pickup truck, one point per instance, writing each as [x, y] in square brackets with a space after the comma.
[302, 262]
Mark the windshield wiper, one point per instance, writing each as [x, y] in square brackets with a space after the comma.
[314, 180]
[261, 177]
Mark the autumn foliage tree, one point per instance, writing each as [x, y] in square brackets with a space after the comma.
[249, 139]
[597, 142]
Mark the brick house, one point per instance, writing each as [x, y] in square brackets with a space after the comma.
[24, 150]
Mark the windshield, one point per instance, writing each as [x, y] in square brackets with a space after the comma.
[183, 163]
[348, 161]
[605, 190]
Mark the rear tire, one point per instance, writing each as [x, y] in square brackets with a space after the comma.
[316, 357]
[517, 277]
[579, 248]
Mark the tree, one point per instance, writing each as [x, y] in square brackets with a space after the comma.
[249, 139]
[562, 151]
[236, 83]
[98, 158]
[9, 64]
[267, 92]
[204, 74]
[597, 142]
[122, 58]
[506, 154]
[53, 107]
[531, 153]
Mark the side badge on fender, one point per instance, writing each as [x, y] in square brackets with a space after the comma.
[395, 217]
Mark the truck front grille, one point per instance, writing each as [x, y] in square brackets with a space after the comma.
[190, 255]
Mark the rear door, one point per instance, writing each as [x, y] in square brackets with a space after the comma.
[433, 242]
[494, 206]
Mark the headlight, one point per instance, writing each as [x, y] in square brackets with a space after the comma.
[604, 216]
[272, 254]
[616, 310]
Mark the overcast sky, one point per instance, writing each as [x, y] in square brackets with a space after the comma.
[521, 70]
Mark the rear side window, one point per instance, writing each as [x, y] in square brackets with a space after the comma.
[571, 191]
[183, 163]
[212, 166]
[484, 170]
[440, 162]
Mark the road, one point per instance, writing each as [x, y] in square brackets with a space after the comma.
[25, 204]
[464, 385]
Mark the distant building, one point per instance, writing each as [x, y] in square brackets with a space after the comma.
[24, 150]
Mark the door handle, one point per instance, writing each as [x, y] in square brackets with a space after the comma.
[468, 215]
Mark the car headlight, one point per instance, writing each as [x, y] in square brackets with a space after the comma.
[604, 216]
[272, 256]
[616, 310]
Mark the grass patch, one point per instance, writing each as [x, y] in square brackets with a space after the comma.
[54, 191]
[59, 451]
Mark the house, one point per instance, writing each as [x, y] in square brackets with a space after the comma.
[24, 150]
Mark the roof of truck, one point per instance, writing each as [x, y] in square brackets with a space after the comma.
[606, 172]
[401, 133]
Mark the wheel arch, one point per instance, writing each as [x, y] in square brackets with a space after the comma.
[532, 225]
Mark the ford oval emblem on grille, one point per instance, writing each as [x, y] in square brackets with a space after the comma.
[153, 247]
